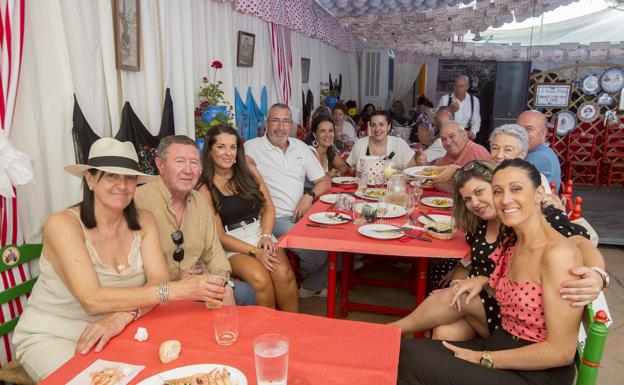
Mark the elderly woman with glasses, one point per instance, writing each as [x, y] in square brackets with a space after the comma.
[537, 338]
[101, 266]
[474, 212]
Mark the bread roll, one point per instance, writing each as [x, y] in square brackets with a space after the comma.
[169, 351]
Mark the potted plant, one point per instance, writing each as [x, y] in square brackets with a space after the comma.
[213, 108]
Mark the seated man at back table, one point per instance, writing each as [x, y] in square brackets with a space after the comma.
[430, 138]
[540, 154]
[185, 221]
[460, 150]
[284, 163]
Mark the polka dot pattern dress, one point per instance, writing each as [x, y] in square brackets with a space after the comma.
[521, 303]
[482, 264]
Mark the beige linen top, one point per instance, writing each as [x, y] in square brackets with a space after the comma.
[198, 226]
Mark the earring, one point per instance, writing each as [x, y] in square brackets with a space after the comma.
[315, 143]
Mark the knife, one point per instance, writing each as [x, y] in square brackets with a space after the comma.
[323, 226]
[427, 216]
[418, 237]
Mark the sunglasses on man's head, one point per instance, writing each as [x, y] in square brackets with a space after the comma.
[178, 239]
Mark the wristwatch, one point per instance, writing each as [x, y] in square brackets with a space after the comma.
[486, 360]
[312, 194]
[603, 274]
[252, 252]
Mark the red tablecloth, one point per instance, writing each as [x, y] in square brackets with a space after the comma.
[322, 350]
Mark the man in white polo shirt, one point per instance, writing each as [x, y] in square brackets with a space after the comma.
[284, 163]
[464, 106]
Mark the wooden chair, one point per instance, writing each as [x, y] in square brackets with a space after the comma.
[581, 158]
[13, 257]
[613, 154]
[589, 354]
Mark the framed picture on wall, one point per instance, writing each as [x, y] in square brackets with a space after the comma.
[305, 70]
[552, 95]
[127, 27]
[245, 49]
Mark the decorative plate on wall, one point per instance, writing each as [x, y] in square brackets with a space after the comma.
[612, 80]
[564, 122]
[588, 111]
[604, 99]
[590, 84]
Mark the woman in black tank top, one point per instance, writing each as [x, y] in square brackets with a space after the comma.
[245, 216]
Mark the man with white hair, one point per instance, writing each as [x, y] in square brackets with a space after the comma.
[540, 154]
[464, 105]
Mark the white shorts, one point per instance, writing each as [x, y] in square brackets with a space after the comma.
[250, 233]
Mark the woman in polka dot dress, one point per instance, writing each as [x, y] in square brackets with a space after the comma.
[537, 341]
[474, 212]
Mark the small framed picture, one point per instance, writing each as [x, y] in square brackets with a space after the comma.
[127, 27]
[305, 70]
[245, 50]
[552, 95]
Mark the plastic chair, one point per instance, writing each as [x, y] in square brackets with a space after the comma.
[614, 154]
[581, 158]
[589, 355]
[13, 257]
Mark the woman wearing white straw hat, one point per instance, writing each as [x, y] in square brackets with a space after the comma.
[101, 266]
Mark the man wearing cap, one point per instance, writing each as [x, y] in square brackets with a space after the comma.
[185, 220]
[284, 163]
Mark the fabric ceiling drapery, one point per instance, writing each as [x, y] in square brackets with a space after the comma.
[281, 59]
[405, 75]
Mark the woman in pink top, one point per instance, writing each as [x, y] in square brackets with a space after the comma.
[537, 342]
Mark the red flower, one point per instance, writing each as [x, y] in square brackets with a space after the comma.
[216, 64]
[205, 79]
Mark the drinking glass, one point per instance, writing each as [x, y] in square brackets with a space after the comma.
[382, 206]
[271, 357]
[356, 211]
[362, 181]
[226, 325]
[396, 190]
[219, 275]
[369, 213]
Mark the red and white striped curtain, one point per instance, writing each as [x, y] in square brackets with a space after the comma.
[11, 43]
[281, 59]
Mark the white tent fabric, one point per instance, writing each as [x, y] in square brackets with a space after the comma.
[605, 25]
[405, 75]
[69, 48]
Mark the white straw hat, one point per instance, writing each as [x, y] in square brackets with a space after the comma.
[112, 156]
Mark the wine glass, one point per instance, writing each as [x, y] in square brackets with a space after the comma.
[382, 206]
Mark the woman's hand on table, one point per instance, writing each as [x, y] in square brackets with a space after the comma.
[582, 291]
[464, 354]
[468, 289]
[99, 332]
[206, 288]
[266, 253]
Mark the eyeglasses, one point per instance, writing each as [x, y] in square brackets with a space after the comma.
[277, 122]
[178, 239]
[486, 167]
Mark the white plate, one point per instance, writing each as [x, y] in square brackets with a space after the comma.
[369, 231]
[432, 202]
[331, 198]
[417, 172]
[394, 211]
[236, 375]
[369, 197]
[344, 180]
[325, 219]
[438, 218]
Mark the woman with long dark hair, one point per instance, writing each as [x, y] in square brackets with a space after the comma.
[245, 216]
[321, 142]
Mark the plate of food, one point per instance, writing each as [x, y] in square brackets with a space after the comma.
[423, 172]
[331, 198]
[329, 218]
[437, 218]
[198, 374]
[344, 180]
[380, 231]
[394, 211]
[437, 202]
[372, 194]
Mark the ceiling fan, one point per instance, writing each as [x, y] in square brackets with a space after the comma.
[477, 37]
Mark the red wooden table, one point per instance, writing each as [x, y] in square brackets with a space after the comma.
[346, 239]
[322, 350]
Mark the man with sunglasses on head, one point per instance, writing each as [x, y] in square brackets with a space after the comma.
[185, 221]
[284, 163]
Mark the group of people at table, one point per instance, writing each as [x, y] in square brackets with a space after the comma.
[125, 248]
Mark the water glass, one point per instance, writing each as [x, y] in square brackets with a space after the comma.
[220, 276]
[356, 211]
[382, 206]
[362, 181]
[271, 357]
[226, 325]
[369, 213]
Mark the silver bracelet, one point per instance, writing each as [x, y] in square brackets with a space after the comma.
[266, 235]
[162, 291]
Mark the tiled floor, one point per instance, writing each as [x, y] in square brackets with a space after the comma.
[613, 358]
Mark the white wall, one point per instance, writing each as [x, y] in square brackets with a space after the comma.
[69, 48]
